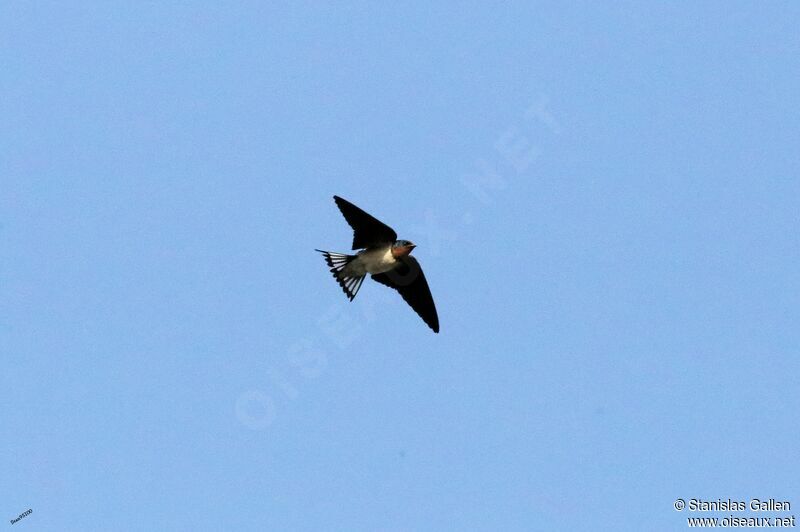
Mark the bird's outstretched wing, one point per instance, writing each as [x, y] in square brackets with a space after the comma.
[409, 280]
[368, 231]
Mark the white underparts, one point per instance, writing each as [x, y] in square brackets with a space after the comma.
[371, 261]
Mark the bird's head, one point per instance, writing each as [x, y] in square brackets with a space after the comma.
[401, 248]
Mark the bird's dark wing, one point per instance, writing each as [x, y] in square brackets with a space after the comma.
[409, 280]
[367, 230]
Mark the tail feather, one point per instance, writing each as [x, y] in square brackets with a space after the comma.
[336, 262]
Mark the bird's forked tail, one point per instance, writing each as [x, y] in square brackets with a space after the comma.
[337, 262]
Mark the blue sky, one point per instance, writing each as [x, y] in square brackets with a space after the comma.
[605, 202]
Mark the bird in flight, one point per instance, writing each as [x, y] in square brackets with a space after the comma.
[386, 258]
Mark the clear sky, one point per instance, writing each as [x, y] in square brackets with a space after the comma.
[605, 200]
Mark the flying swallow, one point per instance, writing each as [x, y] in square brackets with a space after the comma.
[383, 256]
